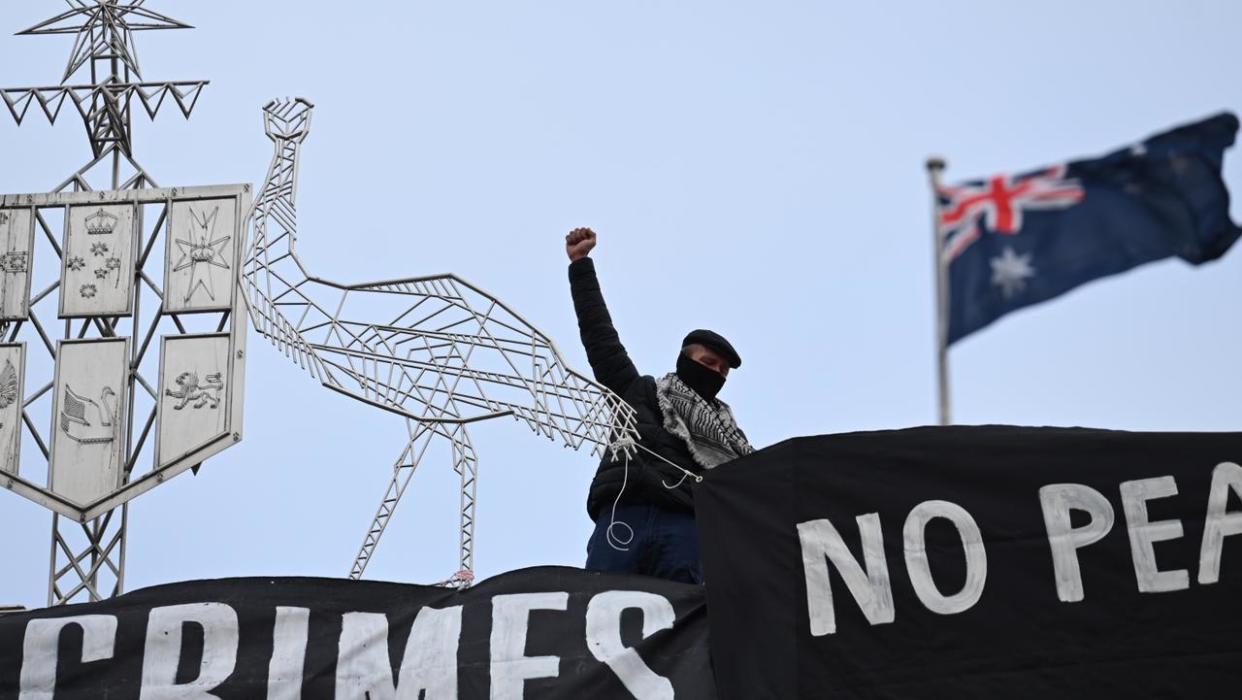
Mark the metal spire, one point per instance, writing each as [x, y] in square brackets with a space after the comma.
[104, 43]
[104, 33]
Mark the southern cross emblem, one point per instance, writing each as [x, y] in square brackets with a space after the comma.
[1010, 271]
[200, 250]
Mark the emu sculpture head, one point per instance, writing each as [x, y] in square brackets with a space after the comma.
[287, 120]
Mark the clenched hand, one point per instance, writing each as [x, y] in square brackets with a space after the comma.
[579, 242]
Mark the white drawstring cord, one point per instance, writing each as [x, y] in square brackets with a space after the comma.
[622, 543]
[680, 481]
[625, 446]
[685, 473]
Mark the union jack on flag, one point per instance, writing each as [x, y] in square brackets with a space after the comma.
[998, 203]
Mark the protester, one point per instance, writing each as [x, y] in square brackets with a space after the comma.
[643, 504]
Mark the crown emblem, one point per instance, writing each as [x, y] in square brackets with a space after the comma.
[101, 223]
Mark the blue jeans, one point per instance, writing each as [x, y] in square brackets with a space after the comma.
[665, 544]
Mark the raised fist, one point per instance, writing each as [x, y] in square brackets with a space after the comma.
[579, 242]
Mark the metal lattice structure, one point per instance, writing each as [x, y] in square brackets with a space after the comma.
[103, 46]
[89, 532]
[436, 350]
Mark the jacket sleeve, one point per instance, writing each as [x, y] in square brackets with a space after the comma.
[609, 361]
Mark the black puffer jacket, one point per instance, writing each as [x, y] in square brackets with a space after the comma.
[614, 369]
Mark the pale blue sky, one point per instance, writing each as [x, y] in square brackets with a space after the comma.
[756, 168]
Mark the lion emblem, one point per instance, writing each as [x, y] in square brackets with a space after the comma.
[189, 389]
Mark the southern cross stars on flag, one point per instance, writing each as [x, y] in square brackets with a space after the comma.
[1013, 241]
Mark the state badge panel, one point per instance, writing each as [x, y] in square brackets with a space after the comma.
[88, 418]
[16, 246]
[201, 254]
[97, 273]
[12, 389]
[195, 396]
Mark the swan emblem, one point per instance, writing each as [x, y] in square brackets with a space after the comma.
[73, 413]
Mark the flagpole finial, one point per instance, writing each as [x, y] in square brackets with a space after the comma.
[936, 164]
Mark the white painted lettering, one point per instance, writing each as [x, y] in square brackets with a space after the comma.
[1219, 523]
[1057, 500]
[1144, 534]
[430, 660]
[914, 535]
[363, 671]
[40, 650]
[510, 666]
[284, 675]
[429, 665]
[603, 636]
[871, 588]
[162, 654]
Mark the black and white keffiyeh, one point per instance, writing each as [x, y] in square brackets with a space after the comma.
[710, 431]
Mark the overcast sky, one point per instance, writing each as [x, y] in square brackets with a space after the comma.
[751, 167]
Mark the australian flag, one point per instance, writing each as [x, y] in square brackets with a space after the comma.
[1016, 240]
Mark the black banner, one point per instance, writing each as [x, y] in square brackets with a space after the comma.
[986, 562]
[547, 632]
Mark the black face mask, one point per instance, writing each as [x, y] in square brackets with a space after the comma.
[705, 381]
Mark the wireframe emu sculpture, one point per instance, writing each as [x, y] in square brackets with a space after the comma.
[436, 350]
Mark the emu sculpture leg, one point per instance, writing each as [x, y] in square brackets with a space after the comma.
[402, 472]
[466, 464]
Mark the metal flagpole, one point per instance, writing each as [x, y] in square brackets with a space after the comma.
[935, 166]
